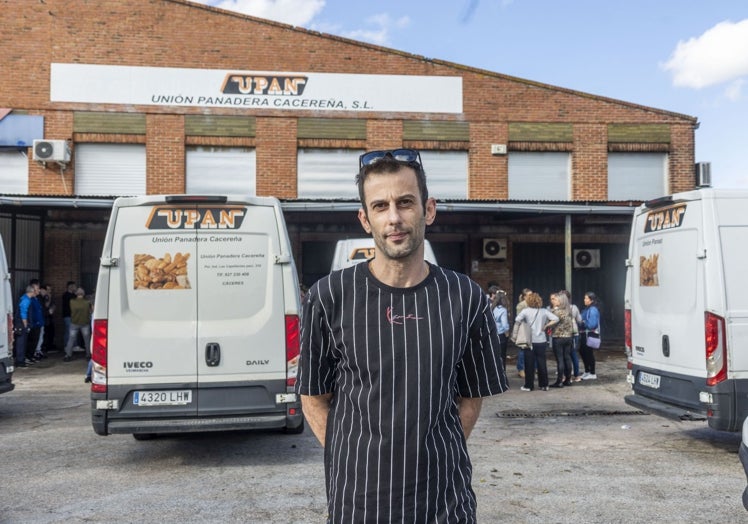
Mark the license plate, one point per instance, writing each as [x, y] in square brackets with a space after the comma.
[162, 398]
[649, 380]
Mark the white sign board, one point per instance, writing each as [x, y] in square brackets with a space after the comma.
[162, 86]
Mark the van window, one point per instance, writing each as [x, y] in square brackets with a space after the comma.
[734, 239]
[667, 267]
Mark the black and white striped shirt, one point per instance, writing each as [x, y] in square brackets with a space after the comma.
[396, 359]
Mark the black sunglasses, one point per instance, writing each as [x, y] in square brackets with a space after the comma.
[401, 155]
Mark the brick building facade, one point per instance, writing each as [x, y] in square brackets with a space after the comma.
[593, 142]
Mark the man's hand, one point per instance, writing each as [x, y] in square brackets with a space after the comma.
[469, 409]
[315, 409]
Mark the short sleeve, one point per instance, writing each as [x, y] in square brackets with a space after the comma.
[481, 371]
[316, 366]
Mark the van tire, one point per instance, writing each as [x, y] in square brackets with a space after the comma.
[294, 431]
[144, 436]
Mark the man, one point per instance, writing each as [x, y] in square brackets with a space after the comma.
[36, 317]
[396, 355]
[67, 296]
[25, 313]
[80, 322]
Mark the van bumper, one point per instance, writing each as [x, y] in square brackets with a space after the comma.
[663, 409]
[195, 425]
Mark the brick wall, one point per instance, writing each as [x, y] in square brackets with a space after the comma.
[155, 33]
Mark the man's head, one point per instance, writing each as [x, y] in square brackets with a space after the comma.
[393, 209]
[80, 292]
[71, 286]
[391, 161]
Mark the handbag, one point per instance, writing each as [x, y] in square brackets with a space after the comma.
[522, 334]
[593, 340]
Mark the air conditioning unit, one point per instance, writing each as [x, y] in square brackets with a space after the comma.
[586, 258]
[51, 151]
[494, 248]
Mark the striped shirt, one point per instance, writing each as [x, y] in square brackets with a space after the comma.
[396, 359]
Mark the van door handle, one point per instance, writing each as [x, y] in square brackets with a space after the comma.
[212, 354]
[666, 345]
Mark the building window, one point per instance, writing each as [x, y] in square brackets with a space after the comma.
[14, 172]
[637, 176]
[447, 173]
[539, 176]
[109, 169]
[220, 170]
[328, 173]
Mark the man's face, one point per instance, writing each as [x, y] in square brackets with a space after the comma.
[395, 215]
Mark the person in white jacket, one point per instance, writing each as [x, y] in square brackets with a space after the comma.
[539, 319]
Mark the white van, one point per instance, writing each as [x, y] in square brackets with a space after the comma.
[7, 362]
[196, 318]
[686, 307]
[351, 251]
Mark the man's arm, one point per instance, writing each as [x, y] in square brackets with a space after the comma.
[469, 409]
[315, 409]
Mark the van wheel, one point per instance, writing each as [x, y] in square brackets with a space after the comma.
[294, 431]
[144, 436]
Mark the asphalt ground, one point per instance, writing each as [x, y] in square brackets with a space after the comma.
[577, 454]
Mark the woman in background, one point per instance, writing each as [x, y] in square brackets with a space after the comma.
[539, 319]
[499, 303]
[590, 322]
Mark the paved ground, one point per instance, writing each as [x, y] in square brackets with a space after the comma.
[579, 454]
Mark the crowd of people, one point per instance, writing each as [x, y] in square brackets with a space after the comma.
[34, 323]
[560, 326]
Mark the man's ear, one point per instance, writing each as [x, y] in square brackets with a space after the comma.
[364, 220]
[430, 211]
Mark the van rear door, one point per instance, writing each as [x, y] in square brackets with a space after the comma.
[152, 310]
[241, 357]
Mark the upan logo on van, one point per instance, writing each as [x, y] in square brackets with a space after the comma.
[242, 84]
[196, 218]
[667, 218]
[362, 253]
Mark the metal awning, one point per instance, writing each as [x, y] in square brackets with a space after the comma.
[316, 206]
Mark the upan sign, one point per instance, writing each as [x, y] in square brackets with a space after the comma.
[667, 218]
[195, 218]
[239, 84]
[167, 86]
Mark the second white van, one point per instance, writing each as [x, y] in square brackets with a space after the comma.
[7, 362]
[686, 307]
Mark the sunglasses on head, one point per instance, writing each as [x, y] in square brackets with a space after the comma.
[401, 155]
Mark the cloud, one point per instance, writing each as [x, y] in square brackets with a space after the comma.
[716, 57]
[380, 32]
[294, 12]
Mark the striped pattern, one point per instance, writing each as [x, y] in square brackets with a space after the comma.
[395, 360]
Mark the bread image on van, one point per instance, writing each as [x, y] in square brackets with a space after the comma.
[196, 318]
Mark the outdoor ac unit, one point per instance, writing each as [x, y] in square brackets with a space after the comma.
[586, 258]
[494, 248]
[703, 174]
[51, 151]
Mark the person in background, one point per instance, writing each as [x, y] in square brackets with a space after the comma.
[67, 296]
[33, 345]
[540, 320]
[24, 312]
[80, 321]
[562, 339]
[48, 344]
[499, 305]
[574, 338]
[521, 304]
[590, 322]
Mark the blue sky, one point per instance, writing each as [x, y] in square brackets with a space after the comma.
[686, 56]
